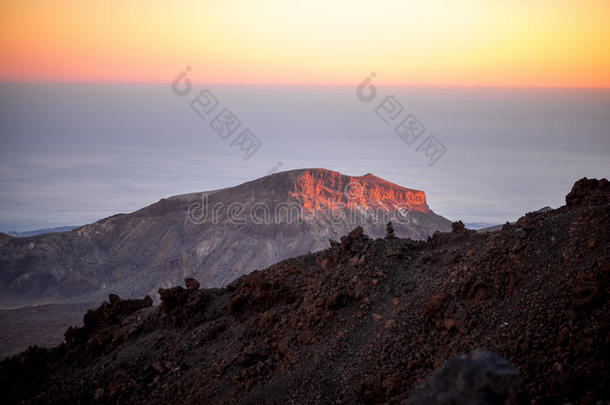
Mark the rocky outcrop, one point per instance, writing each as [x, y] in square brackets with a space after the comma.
[98, 333]
[178, 303]
[588, 192]
[457, 226]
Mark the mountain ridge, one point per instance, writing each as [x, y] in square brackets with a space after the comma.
[364, 321]
[164, 242]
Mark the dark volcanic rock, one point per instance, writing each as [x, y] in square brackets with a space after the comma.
[197, 235]
[480, 377]
[172, 298]
[389, 233]
[180, 305]
[588, 192]
[94, 336]
[457, 226]
[356, 234]
[191, 284]
[364, 326]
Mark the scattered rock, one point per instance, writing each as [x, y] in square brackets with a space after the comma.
[333, 243]
[394, 252]
[191, 284]
[356, 233]
[172, 298]
[480, 377]
[389, 231]
[158, 367]
[457, 226]
[346, 242]
[114, 299]
[85, 339]
[542, 305]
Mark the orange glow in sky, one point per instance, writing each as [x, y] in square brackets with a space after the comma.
[431, 42]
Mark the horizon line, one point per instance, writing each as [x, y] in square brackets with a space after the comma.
[312, 84]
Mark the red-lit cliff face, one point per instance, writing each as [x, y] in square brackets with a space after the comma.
[364, 321]
[277, 217]
[133, 254]
[321, 189]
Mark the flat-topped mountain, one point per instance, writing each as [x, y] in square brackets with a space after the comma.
[365, 321]
[213, 236]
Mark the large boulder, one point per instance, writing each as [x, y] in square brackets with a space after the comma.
[479, 378]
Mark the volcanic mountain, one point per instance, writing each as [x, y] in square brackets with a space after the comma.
[364, 321]
[212, 236]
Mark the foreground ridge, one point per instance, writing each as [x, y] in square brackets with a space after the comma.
[365, 321]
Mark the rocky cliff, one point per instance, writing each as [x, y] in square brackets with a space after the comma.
[212, 236]
[364, 321]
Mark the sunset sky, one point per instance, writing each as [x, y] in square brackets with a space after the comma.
[438, 43]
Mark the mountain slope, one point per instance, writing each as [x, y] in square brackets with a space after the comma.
[213, 236]
[362, 322]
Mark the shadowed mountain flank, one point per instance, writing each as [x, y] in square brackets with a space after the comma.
[212, 236]
[364, 321]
